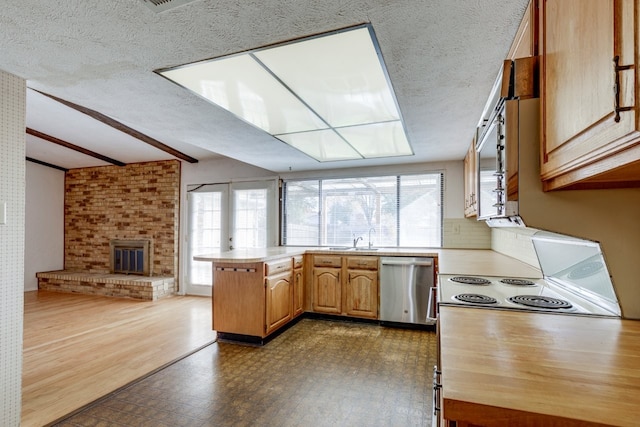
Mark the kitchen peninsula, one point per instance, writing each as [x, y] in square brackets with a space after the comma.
[258, 291]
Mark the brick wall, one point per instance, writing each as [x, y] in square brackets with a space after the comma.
[137, 201]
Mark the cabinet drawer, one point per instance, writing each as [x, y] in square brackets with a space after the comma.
[362, 263]
[297, 261]
[327, 261]
[278, 266]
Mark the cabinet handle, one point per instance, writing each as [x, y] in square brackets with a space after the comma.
[616, 87]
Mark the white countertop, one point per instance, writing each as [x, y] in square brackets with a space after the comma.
[482, 262]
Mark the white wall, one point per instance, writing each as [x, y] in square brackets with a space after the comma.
[12, 193]
[44, 226]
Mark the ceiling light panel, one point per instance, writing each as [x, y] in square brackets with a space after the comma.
[323, 145]
[340, 76]
[328, 96]
[241, 85]
[378, 139]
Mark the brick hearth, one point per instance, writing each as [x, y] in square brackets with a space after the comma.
[113, 285]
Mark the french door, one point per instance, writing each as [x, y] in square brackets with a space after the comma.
[223, 217]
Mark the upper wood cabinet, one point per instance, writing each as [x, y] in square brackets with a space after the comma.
[590, 121]
[525, 43]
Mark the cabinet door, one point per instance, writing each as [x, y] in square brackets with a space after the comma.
[278, 300]
[361, 294]
[327, 290]
[298, 292]
[585, 142]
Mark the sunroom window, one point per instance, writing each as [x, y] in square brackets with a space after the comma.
[396, 211]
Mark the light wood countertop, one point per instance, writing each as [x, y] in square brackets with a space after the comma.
[500, 366]
[482, 262]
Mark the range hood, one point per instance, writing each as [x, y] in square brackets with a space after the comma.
[497, 142]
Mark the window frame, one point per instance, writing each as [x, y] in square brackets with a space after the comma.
[398, 176]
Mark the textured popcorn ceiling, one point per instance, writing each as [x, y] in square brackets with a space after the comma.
[442, 58]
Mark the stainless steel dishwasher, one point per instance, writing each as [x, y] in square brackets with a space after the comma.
[407, 292]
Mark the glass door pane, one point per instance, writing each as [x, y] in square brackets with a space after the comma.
[253, 214]
[208, 209]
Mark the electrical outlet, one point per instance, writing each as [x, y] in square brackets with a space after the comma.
[456, 228]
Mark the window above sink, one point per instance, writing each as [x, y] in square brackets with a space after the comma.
[384, 211]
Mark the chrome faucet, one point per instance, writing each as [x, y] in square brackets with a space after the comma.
[370, 230]
[356, 240]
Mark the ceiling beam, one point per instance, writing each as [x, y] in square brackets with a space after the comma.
[49, 165]
[73, 147]
[123, 128]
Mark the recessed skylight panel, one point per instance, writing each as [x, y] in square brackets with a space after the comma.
[239, 84]
[328, 96]
[339, 76]
[378, 139]
[322, 145]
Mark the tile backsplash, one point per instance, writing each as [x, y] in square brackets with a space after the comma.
[466, 233]
[516, 243]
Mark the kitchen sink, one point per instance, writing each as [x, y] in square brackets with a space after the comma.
[351, 248]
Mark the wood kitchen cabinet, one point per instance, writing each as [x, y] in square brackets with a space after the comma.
[327, 287]
[470, 182]
[298, 286]
[252, 299]
[234, 315]
[279, 303]
[361, 287]
[345, 285]
[590, 124]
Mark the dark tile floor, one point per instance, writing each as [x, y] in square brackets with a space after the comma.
[317, 373]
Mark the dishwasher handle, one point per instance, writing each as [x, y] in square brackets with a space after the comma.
[432, 307]
[425, 263]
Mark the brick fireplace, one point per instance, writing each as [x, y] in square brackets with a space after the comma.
[130, 257]
[134, 203]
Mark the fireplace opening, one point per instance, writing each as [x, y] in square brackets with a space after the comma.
[130, 257]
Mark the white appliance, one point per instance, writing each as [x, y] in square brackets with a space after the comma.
[575, 281]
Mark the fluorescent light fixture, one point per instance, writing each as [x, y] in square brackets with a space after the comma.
[328, 96]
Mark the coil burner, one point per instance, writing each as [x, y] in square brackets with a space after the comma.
[517, 282]
[470, 280]
[539, 301]
[476, 299]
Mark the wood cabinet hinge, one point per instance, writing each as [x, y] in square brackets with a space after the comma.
[616, 87]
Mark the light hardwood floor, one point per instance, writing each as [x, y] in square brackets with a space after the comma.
[78, 348]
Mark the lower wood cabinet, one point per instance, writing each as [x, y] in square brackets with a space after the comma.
[361, 294]
[256, 299]
[252, 299]
[345, 285]
[327, 290]
[279, 301]
[298, 286]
